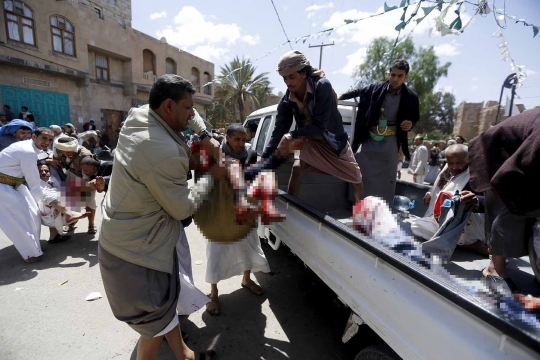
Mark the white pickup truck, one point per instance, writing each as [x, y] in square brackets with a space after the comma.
[418, 314]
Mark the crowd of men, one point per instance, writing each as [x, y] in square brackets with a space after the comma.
[144, 256]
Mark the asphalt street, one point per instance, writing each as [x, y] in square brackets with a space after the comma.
[44, 314]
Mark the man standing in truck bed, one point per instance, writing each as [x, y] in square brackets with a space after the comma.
[312, 101]
[377, 137]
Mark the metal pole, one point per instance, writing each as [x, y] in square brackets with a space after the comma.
[512, 100]
[321, 50]
[499, 107]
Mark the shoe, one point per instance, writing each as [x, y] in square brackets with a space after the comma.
[59, 238]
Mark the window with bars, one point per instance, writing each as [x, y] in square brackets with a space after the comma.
[98, 12]
[195, 78]
[102, 67]
[63, 35]
[19, 22]
[207, 88]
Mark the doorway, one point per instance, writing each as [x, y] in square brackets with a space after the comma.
[113, 118]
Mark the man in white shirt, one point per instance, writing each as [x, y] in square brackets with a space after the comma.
[19, 215]
[419, 161]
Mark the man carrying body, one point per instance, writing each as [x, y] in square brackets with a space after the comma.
[419, 161]
[381, 135]
[147, 200]
[97, 173]
[455, 176]
[226, 260]
[505, 166]
[311, 101]
[15, 131]
[19, 216]
[67, 158]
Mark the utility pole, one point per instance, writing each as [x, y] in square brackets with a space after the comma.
[321, 46]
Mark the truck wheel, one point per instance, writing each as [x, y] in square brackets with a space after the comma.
[377, 352]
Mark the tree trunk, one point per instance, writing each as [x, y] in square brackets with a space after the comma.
[241, 108]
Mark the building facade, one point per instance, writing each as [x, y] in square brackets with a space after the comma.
[76, 60]
[473, 119]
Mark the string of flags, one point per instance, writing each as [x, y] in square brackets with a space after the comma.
[456, 27]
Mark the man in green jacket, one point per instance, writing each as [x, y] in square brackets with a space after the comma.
[147, 200]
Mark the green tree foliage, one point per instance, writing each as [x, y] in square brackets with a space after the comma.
[234, 91]
[436, 108]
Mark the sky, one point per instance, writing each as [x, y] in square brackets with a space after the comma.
[218, 30]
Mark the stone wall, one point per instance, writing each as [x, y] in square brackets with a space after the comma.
[76, 75]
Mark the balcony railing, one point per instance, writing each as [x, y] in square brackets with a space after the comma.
[149, 75]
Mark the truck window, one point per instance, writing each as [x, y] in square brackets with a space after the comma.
[263, 133]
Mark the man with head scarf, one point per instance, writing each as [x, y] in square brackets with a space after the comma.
[19, 215]
[67, 158]
[14, 131]
[311, 101]
[57, 130]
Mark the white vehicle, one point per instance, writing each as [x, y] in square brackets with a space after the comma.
[418, 314]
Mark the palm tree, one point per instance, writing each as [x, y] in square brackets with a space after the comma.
[261, 94]
[241, 86]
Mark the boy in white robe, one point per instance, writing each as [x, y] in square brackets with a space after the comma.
[226, 260]
[19, 214]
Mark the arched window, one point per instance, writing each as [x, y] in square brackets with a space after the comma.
[195, 78]
[149, 64]
[19, 21]
[63, 35]
[170, 66]
[207, 88]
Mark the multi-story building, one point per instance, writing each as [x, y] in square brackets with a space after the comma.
[474, 118]
[73, 60]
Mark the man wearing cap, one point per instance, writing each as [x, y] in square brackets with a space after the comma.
[15, 131]
[386, 113]
[67, 157]
[89, 125]
[311, 100]
[19, 215]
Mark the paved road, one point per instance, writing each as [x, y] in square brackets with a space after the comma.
[296, 318]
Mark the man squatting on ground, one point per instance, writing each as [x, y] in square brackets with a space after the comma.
[312, 102]
[379, 138]
[147, 200]
[19, 213]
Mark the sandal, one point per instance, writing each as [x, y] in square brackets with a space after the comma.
[213, 308]
[59, 238]
[206, 355]
[254, 288]
[92, 230]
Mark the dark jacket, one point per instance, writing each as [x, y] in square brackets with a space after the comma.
[369, 112]
[506, 159]
[104, 169]
[326, 119]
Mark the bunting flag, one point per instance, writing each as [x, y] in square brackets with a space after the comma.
[456, 27]
[521, 74]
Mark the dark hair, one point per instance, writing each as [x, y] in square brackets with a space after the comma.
[169, 86]
[252, 126]
[237, 127]
[24, 107]
[43, 162]
[401, 64]
[8, 107]
[89, 160]
[41, 130]
[30, 118]
[462, 137]
[308, 70]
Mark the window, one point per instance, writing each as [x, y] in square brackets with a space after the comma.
[170, 66]
[207, 88]
[102, 67]
[98, 12]
[121, 22]
[149, 62]
[19, 21]
[263, 134]
[63, 35]
[195, 78]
